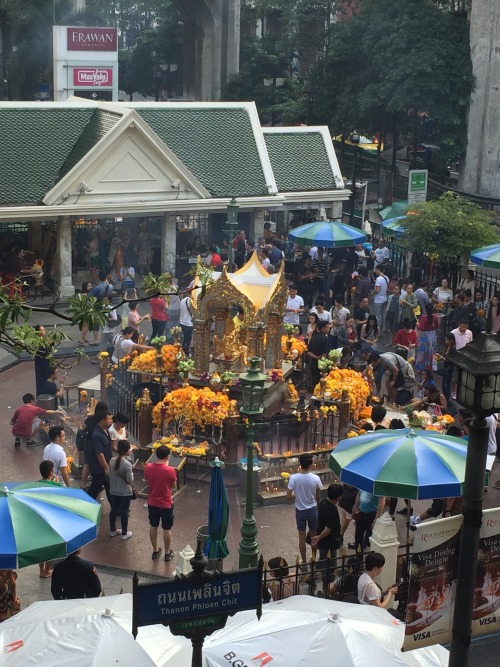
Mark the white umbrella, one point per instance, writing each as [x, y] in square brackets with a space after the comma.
[302, 631]
[82, 633]
[428, 656]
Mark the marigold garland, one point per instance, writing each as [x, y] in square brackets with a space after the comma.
[147, 361]
[189, 407]
[340, 379]
[296, 345]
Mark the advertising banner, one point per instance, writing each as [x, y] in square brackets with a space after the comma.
[88, 77]
[486, 607]
[432, 582]
[92, 39]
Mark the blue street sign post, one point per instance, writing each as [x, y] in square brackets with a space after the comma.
[197, 604]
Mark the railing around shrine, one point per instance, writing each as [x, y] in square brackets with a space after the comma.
[333, 578]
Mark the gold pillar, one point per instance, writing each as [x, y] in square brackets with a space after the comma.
[201, 338]
[145, 419]
[344, 414]
[273, 354]
[104, 372]
[219, 315]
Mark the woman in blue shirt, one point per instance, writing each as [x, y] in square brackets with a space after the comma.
[368, 508]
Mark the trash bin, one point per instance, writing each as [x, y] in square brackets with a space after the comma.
[202, 535]
[46, 401]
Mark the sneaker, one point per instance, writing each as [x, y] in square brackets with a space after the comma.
[496, 485]
[112, 533]
[453, 395]
[127, 535]
[17, 442]
[414, 520]
[169, 555]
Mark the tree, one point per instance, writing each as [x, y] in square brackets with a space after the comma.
[449, 228]
[402, 67]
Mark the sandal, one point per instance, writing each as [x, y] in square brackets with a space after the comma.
[169, 555]
[83, 342]
[156, 554]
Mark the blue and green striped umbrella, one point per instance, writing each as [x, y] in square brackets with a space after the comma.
[488, 255]
[327, 234]
[392, 226]
[402, 464]
[40, 521]
[218, 515]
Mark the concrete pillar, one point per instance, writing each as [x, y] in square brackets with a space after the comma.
[63, 261]
[183, 565]
[384, 540]
[168, 243]
[231, 42]
[481, 170]
[256, 225]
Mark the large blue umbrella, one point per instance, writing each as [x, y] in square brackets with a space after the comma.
[40, 521]
[327, 234]
[218, 515]
[488, 255]
[402, 463]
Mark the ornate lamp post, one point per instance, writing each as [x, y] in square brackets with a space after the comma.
[354, 140]
[232, 221]
[478, 390]
[252, 389]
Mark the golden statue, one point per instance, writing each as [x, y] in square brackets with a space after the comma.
[231, 347]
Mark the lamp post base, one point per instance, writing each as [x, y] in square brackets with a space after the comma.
[248, 549]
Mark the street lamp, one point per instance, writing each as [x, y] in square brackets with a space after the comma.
[478, 390]
[354, 140]
[232, 221]
[252, 390]
[157, 73]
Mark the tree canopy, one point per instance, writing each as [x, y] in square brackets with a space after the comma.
[449, 227]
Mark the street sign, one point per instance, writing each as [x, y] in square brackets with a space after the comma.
[214, 622]
[191, 598]
[417, 185]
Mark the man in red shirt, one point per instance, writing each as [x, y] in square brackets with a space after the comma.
[25, 421]
[161, 479]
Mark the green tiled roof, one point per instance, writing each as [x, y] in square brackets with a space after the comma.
[216, 145]
[299, 161]
[39, 145]
[100, 124]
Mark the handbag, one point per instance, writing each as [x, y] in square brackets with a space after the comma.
[417, 311]
[135, 493]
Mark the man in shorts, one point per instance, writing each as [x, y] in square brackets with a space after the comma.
[26, 420]
[305, 487]
[161, 479]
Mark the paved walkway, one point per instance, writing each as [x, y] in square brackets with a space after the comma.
[117, 559]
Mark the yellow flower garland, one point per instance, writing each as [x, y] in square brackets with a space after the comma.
[146, 362]
[340, 379]
[190, 407]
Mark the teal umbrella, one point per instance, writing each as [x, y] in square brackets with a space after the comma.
[218, 515]
[402, 463]
[488, 255]
[394, 210]
[327, 234]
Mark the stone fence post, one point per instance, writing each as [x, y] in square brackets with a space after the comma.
[384, 540]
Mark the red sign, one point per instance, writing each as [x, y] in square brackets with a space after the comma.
[89, 77]
[92, 39]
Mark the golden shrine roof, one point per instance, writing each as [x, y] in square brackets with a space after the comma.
[252, 281]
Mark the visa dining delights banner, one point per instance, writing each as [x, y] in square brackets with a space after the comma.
[433, 568]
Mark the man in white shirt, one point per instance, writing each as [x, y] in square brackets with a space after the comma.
[463, 335]
[124, 345]
[186, 322]
[294, 306]
[54, 452]
[380, 297]
[319, 310]
[305, 487]
[381, 254]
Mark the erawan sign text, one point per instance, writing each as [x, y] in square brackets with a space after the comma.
[92, 39]
[92, 76]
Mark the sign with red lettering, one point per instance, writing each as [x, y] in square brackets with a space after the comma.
[92, 39]
[88, 77]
